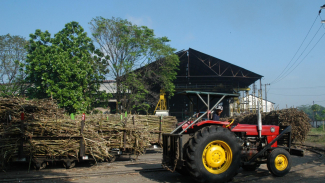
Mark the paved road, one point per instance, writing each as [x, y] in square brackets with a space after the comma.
[304, 169]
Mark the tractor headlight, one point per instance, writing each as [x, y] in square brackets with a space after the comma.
[272, 129]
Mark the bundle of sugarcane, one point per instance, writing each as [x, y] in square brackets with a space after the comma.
[95, 145]
[53, 148]
[120, 133]
[11, 130]
[11, 108]
[149, 125]
[299, 121]
[8, 149]
[56, 128]
[157, 125]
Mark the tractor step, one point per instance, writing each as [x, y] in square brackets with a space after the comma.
[297, 152]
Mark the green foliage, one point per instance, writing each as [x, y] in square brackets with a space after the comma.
[63, 68]
[316, 131]
[313, 111]
[315, 107]
[12, 54]
[140, 63]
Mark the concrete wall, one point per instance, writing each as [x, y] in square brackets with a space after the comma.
[316, 124]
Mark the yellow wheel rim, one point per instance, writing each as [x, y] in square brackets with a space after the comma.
[217, 157]
[281, 162]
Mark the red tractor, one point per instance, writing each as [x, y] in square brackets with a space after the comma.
[213, 151]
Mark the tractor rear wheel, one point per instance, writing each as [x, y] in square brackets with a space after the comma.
[183, 171]
[279, 162]
[213, 154]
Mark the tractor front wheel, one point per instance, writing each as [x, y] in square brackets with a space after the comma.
[279, 162]
[213, 154]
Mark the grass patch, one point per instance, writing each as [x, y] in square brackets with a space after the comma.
[316, 136]
[317, 131]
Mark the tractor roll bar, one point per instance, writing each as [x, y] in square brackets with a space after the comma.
[206, 104]
[201, 116]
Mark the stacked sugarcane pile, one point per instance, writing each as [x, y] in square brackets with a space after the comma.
[42, 109]
[52, 128]
[50, 146]
[118, 132]
[8, 149]
[38, 121]
[113, 126]
[299, 121]
[152, 123]
[101, 132]
[95, 144]
[43, 119]
[53, 148]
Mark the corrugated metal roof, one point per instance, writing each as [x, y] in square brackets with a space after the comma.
[210, 93]
[198, 67]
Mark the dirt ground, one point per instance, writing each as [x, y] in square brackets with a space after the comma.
[310, 168]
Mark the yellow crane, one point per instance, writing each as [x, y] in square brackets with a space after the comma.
[162, 103]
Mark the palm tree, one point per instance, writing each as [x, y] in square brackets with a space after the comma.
[315, 108]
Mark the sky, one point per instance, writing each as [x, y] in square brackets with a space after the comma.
[280, 40]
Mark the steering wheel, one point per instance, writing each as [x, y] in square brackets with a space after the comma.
[231, 122]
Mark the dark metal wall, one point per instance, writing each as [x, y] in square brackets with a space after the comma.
[182, 107]
[201, 72]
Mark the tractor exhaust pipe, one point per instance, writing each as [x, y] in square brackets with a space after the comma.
[259, 121]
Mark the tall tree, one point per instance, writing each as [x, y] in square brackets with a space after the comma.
[138, 61]
[65, 68]
[315, 108]
[12, 54]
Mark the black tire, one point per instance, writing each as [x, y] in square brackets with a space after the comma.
[40, 165]
[279, 162]
[183, 171]
[69, 164]
[213, 155]
[111, 159]
[252, 167]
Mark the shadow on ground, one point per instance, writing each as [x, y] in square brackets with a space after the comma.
[54, 172]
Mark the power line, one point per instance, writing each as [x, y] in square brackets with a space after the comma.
[321, 20]
[297, 50]
[298, 95]
[302, 59]
[307, 87]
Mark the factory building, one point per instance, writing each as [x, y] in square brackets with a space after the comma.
[201, 72]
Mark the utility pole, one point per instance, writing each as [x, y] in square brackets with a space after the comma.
[266, 97]
[260, 96]
[254, 99]
[314, 114]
